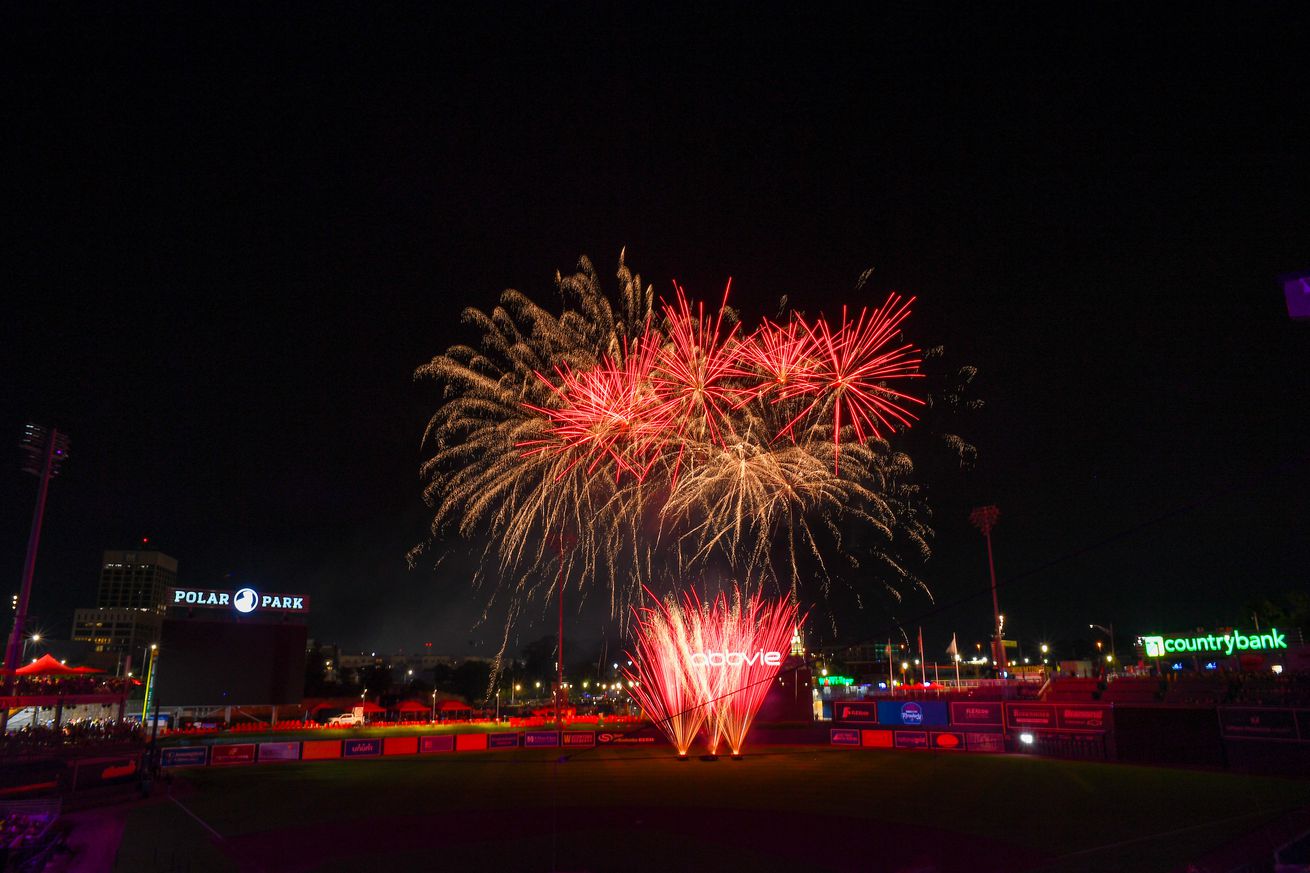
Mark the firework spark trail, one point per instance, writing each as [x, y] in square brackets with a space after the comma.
[666, 637]
[752, 626]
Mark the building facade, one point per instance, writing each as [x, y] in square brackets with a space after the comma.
[130, 603]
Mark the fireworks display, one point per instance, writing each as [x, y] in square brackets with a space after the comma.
[708, 665]
[670, 441]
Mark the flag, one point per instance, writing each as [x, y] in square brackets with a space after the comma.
[953, 650]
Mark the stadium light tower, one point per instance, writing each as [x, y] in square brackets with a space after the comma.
[43, 451]
[984, 518]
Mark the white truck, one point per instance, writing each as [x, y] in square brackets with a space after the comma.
[348, 719]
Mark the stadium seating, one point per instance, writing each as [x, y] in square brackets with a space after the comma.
[1132, 689]
[1072, 689]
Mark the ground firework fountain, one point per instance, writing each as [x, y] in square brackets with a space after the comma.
[709, 665]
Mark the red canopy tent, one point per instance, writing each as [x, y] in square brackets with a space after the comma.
[372, 707]
[454, 706]
[48, 665]
[411, 706]
[83, 671]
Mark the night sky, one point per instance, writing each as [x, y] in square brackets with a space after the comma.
[231, 242]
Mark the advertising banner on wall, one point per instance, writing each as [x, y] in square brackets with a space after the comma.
[912, 713]
[430, 744]
[865, 711]
[983, 713]
[538, 739]
[1030, 715]
[630, 738]
[95, 772]
[361, 748]
[184, 756]
[1257, 723]
[948, 740]
[844, 736]
[279, 752]
[911, 739]
[494, 741]
[579, 738]
[1082, 717]
[876, 739]
[234, 753]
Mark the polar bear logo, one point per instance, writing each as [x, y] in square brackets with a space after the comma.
[246, 600]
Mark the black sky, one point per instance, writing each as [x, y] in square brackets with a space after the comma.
[232, 240]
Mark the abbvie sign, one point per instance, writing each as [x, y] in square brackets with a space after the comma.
[736, 659]
[244, 600]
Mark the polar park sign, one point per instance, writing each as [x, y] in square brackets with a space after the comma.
[1226, 644]
[243, 600]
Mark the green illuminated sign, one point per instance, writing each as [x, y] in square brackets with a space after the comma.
[1223, 644]
[836, 680]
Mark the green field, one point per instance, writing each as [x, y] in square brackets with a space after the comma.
[789, 809]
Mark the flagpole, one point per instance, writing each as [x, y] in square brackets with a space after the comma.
[923, 661]
[891, 677]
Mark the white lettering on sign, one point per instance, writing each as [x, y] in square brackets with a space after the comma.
[735, 659]
[245, 600]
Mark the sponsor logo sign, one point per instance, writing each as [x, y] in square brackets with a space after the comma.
[1252, 723]
[501, 741]
[979, 742]
[234, 753]
[243, 600]
[1082, 718]
[184, 756]
[855, 710]
[947, 740]
[104, 771]
[911, 739]
[361, 748]
[876, 739]
[1030, 715]
[279, 752]
[428, 745]
[579, 738]
[913, 713]
[983, 713]
[1226, 644]
[629, 738]
[844, 736]
[540, 739]
[736, 659]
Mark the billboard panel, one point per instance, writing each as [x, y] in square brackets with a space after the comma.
[224, 663]
[912, 713]
[1254, 723]
[982, 713]
[865, 711]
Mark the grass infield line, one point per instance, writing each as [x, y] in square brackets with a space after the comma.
[1162, 834]
[204, 824]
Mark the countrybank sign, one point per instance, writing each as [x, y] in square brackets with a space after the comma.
[243, 600]
[1222, 644]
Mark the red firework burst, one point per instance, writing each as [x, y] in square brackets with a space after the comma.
[693, 377]
[779, 354]
[851, 366]
[608, 413]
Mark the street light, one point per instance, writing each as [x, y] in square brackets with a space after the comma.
[34, 638]
[1108, 631]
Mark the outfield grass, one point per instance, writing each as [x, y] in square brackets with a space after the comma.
[638, 809]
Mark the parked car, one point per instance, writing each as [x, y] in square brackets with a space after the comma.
[346, 719]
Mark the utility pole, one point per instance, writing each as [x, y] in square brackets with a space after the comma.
[984, 518]
[44, 450]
